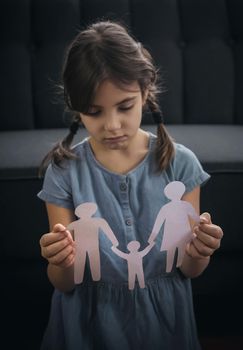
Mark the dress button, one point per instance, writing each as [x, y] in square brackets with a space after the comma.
[123, 186]
[129, 222]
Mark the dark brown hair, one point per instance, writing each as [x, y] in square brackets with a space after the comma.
[106, 50]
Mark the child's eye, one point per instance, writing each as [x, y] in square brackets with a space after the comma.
[125, 108]
[94, 113]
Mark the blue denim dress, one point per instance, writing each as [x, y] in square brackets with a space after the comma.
[105, 314]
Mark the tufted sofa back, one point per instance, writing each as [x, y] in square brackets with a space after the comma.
[197, 45]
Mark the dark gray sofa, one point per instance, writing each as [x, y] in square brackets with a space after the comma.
[198, 46]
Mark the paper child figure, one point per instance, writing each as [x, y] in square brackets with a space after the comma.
[86, 236]
[177, 229]
[134, 261]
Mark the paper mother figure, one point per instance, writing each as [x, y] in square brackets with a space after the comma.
[86, 235]
[177, 228]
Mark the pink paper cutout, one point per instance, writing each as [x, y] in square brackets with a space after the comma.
[134, 262]
[86, 235]
[177, 228]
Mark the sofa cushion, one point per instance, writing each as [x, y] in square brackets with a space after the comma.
[218, 147]
[22, 151]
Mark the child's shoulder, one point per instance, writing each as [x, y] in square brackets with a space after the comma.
[80, 148]
[184, 156]
[68, 165]
[183, 151]
[187, 168]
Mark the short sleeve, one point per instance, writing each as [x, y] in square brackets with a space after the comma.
[56, 187]
[188, 169]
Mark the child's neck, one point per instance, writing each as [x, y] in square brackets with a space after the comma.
[121, 161]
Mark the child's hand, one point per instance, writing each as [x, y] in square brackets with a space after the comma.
[207, 238]
[58, 247]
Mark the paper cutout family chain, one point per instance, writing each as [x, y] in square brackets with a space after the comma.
[177, 233]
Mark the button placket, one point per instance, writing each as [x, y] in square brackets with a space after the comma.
[128, 222]
[123, 189]
[124, 196]
[123, 186]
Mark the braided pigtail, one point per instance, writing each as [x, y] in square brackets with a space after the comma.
[62, 150]
[164, 150]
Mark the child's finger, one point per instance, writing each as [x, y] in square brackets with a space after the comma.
[58, 228]
[63, 229]
[211, 230]
[50, 238]
[69, 261]
[61, 256]
[208, 240]
[192, 251]
[201, 249]
[69, 236]
[55, 248]
[205, 218]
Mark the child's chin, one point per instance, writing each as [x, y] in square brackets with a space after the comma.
[117, 146]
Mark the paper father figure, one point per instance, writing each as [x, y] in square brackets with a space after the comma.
[134, 262]
[86, 236]
[177, 229]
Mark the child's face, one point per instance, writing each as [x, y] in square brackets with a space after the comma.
[114, 118]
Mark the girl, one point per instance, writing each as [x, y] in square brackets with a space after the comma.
[109, 80]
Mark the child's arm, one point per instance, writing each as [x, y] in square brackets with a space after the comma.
[58, 248]
[207, 240]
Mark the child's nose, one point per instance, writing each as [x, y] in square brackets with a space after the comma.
[112, 122]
